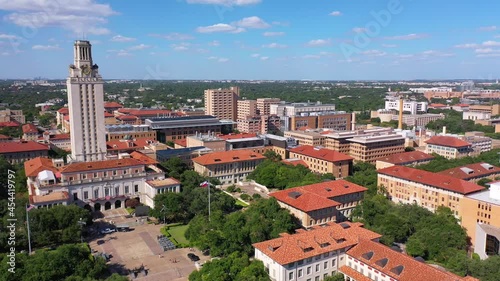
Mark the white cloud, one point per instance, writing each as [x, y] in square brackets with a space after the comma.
[486, 51]
[359, 30]
[264, 58]
[223, 60]
[271, 34]
[225, 2]
[5, 54]
[255, 55]
[139, 47]
[491, 44]
[45, 47]
[488, 55]
[488, 28]
[183, 46]
[214, 43]
[311, 57]
[119, 38]
[8, 36]
[467, 46]
[405, 56]
[436, 53]
[335, 13]
[318, 42]
[202, 51]
[374, 53]
[220, 27]
[274, 46]
[389, 45]
[252, 22]
[411, 36]
[123, 53]
[77, 16]
[173, 36]
[212, 58]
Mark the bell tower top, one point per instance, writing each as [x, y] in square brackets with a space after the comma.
[83, 53]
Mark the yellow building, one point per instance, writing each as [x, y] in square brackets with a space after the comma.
[320, 203]
[211, 141]
[306, 137]
[228, 167]
[323, 161]
[429, 190]
[410, 158]
[448, 147]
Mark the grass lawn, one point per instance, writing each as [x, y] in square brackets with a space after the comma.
[240, 203]
[177, 232]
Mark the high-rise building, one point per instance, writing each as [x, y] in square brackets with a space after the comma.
[264, 105]
[86, 106]
[246, 108]
[222, 103]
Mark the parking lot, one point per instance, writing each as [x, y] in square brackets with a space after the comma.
[140, 247]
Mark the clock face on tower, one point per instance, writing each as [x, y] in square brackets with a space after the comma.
[87, 70]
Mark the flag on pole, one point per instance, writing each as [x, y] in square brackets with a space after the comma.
[29, 207]
[204, 184]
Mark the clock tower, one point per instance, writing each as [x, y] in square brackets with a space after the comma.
[86, 106]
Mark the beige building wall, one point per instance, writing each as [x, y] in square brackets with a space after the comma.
[429, 197]
[216, 145]
[222, 103]
[370, 152]
[340, 169]
[474, 211]
[246, 108]
[228, 173]
[306, 138]
[264, 104]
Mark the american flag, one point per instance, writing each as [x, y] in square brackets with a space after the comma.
[29, 207]
[204, 184]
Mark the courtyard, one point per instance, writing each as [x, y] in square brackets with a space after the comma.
[139, 247]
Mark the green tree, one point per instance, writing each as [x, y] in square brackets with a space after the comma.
[336, 277]
[271, 155]
[175, 167]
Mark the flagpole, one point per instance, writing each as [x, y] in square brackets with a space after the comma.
[28, 225]
[209, 184]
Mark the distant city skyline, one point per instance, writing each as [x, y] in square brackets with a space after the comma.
[254, 39]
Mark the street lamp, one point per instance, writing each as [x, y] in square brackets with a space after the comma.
[81, 223]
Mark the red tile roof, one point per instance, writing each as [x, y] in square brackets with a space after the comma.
[112, 104]
[10, 124]
[34, 166]
[307, 244]
[317, 196]
[101, 165]
[150, 112]
[409, 269]
[407, 158]
[128, 144]
[437, 105]
[108, 115]
[63, 111]
[126, 117]
[21, 146]
[295, 162]
[467, 172]
[143, 158]
[4, 137]
[321, 153]
[353, 274]
[60, 137]
[228, 157]
[447, 141]
[431, 179]
[181, 142]
[29, 128]
[462, 105]
[303, 200]
[237, 136]
[66, 118]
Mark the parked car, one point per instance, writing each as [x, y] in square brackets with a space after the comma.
[193, 257]
[108, 230]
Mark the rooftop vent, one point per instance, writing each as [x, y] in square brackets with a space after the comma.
[236, 158]
[294, 194]
[328, 189]
[487, 166]
[217, 160]
[368, 255]
[398, 269]
[346, 186]
[345, 225]
[323, 245]
[467, 170]
[420, 259]
[308, 249]
[382, 262]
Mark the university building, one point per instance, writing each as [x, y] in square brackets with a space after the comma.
[320, 203]
[323, 161]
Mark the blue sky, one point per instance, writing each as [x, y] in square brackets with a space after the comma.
[254, 39]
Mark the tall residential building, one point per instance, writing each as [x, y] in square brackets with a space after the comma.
[246, 108]
[86, 106]
[222, 103]
[408, 105]
[264, 105]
